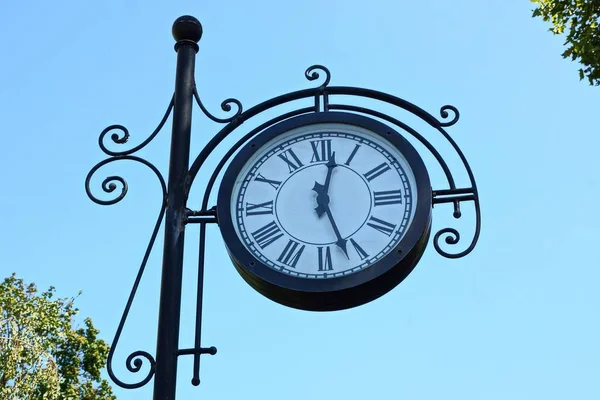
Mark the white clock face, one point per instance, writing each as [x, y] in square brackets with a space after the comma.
[323, 200]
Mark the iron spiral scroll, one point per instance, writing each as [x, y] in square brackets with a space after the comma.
[322, 95]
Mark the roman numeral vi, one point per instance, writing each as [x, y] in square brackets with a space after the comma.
[325, 259]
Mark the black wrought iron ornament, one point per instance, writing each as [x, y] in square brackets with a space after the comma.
[324, 207]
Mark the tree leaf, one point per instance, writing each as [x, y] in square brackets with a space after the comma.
[41, 355]
[578, 21]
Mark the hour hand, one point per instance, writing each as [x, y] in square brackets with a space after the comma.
[322, 199]
[322, 190]
[319, 188]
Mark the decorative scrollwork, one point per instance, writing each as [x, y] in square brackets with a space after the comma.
[444, 114]
[312, 74]
[225, 106]
[134, 363]
[123, 136]
[135, 360]
[453, 236]
[108, 185]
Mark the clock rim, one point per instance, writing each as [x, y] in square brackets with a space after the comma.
[324, 294]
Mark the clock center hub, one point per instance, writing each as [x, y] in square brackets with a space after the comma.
[323, 199]
[348, 198]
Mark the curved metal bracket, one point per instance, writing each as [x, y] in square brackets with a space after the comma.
[225, 106]
[322, 95]
[449, 116]
[135, 360]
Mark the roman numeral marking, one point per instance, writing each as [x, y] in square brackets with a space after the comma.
[352, 154]
[259, 209]
[381, 225]
[387, 197]
[267, 234]
[375, 172]
[291, 159]
[325, 259]
[291, 253]
[321, 150]
[362, 254]
[261, 178]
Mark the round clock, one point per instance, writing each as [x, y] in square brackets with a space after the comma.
[325, 211]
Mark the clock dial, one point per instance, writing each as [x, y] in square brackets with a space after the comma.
[325, 211]
[324, 200]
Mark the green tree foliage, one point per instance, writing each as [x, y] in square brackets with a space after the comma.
[42, 356]
[578, 20]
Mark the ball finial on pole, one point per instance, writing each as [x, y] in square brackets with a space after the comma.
[187, 28]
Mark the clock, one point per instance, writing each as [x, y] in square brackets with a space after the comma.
[325, 211]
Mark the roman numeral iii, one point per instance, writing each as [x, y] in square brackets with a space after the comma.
[386, 197]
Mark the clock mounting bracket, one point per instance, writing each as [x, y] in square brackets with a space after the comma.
[319, 99]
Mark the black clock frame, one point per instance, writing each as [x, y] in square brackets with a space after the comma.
[341, 292]
[175, 191]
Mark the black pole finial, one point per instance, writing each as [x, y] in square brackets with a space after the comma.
[187, 28]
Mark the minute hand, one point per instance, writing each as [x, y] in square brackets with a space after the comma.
[341, 242]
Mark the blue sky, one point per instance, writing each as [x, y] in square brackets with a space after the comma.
[515, 319]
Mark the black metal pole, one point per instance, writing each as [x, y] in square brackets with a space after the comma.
[187, 31]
